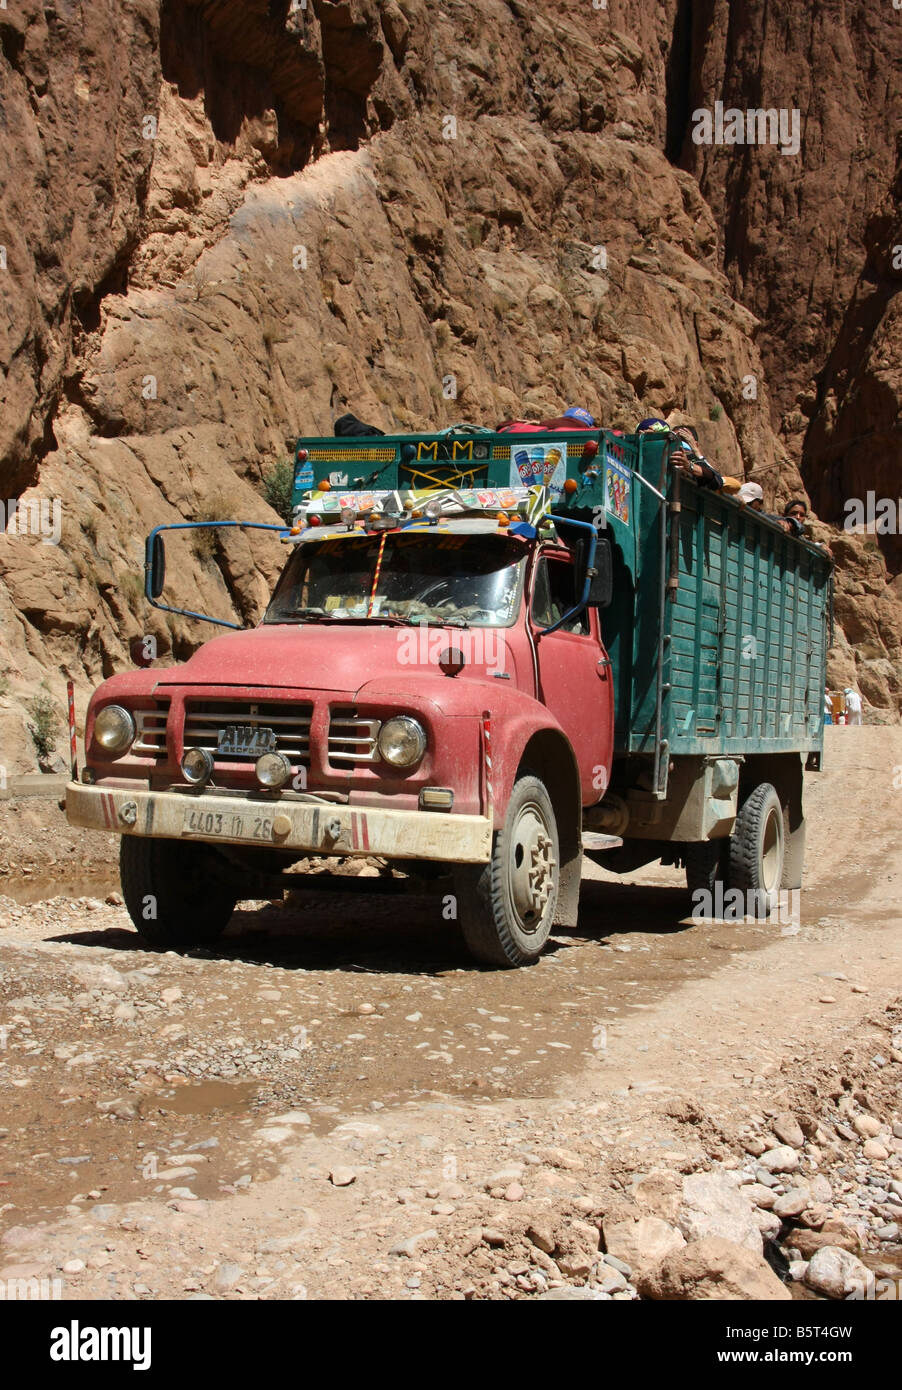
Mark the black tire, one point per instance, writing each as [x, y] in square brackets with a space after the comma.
[757, 847]
[506, 909]
[707, 863]
[176, 883]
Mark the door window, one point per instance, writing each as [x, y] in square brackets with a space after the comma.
[555, 594]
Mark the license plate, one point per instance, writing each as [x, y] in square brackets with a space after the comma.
[245, 739]
[229, 824]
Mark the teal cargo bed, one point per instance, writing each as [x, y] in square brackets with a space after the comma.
[720, 622]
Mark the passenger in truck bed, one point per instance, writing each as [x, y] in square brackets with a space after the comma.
[688, 458]
[751, 495]
[795, 514]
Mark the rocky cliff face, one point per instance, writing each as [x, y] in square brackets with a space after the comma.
[225, 221]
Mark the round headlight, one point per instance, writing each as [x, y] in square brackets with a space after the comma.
[402, 741]
[273, 770]
[114, 729]
[197, 765]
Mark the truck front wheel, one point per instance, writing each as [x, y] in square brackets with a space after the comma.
[506, 907]
[172, 892]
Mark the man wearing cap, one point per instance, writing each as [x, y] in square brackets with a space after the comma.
[751, 495]
[853, 705]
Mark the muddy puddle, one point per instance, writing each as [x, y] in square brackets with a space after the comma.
[38, 888]
[205, 1098]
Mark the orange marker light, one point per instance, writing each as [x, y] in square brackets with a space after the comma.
[324, 485]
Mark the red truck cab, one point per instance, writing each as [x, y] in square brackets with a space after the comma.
[433, 692]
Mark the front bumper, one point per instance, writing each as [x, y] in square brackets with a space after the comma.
[306, 827]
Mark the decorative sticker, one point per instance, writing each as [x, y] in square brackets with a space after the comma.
[539, 465]
[303, 476]
[617, 486]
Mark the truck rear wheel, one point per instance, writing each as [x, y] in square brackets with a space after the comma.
[707, 864]
[507, 906]
[172, 892]
[757, 847]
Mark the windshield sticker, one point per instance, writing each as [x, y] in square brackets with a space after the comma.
[453, 501]
[617, 485]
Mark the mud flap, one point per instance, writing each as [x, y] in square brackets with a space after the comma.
[566, 912]
[793, 852]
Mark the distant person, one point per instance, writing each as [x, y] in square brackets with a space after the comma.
[853, 705]
[828, 707]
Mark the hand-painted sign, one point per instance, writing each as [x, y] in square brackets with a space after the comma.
[539, 465]
[617, 488]
[452, 449]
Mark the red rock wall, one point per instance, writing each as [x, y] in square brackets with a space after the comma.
[566, 242]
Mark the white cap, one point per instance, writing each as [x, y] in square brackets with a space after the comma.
[750, 492]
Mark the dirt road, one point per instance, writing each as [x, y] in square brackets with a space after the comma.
[335, 1103]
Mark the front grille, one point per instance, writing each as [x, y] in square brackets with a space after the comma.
[351, 739]
[151, 731]
[290, 723]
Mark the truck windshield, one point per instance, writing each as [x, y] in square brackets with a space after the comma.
[424, 577]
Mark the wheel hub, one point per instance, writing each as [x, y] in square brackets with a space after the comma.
[532, 868]
[772, 855]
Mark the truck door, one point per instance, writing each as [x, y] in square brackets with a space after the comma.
[574, 673]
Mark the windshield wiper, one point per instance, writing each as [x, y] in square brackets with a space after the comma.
[436, 622]
[330, 618]
[299, 617]
[374, 618]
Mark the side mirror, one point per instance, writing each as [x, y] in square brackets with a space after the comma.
[155, 566]
[601, 587]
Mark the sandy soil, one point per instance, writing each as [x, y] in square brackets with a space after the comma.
[335, 1103]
